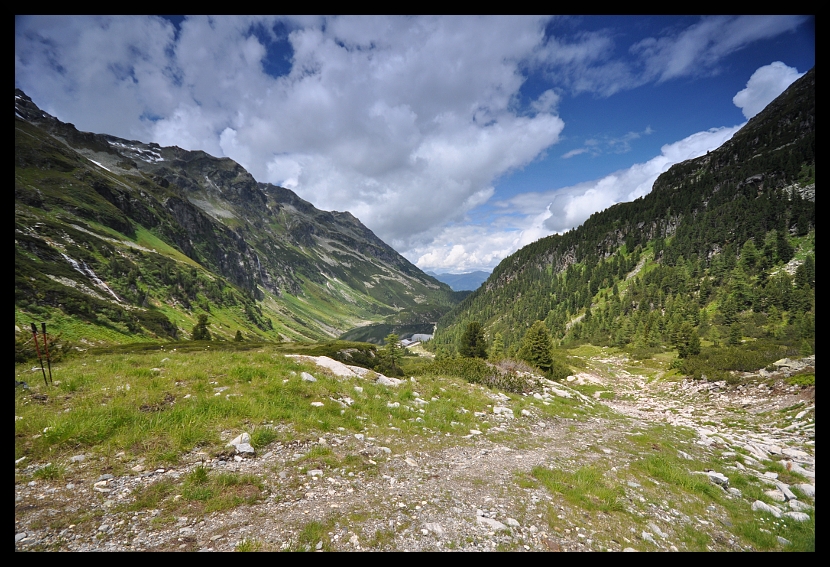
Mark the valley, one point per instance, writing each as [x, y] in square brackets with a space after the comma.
[227, 375]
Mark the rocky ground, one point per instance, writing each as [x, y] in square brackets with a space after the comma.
[476, 491]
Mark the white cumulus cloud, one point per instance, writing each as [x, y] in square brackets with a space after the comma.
[764, 86]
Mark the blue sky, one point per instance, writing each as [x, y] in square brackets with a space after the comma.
[456, 139]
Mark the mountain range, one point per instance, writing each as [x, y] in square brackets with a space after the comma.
[118, 240]
[467, 281]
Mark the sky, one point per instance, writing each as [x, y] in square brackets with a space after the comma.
[456, 139]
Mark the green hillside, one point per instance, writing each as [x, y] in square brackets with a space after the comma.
[721, 251]
[117, 241]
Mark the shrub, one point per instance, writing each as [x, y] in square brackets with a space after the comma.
[476, 371]
[717, 362]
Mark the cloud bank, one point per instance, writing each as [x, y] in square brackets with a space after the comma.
[530, 216]
[408, 123]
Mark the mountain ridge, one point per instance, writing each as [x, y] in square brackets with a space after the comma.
[319, 273]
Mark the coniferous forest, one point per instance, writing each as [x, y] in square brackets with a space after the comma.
[717, 262]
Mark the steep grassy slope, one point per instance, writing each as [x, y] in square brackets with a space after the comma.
[118, 241]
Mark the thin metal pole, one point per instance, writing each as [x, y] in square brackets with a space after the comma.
[46, 348]
[40, 358]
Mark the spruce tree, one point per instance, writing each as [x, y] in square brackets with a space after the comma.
[497, 350]
[200, 331]
[473, 344]
[390, 356]
[537, 346]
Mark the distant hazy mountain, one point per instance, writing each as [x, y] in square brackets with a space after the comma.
[461, 282]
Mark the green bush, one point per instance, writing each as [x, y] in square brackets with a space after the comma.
[476, 371]
[801, 380]
[717, 362]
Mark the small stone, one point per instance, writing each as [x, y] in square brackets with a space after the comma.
[799, 506]
[783, 541]
[19, 536]
[775, 495]
[319, 545]
[512, 522]
[656, 529]
[359, 436]
[718, 479]
[242, 444]
[315, 472]
[77, 458]
[317, 404]
[759, 506]
[797, 516]
[628, 550]
[490, 523]
[386, 381]
[809, 490]
[308, 377]
[551, 545]
[435, 528]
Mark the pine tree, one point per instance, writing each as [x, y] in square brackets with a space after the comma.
[497, 350]
[734, 334]
[473, 344]
[200, 331]
[390, 356]
[689, 342]
[537, 346]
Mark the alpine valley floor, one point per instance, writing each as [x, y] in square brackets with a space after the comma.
[618, 458]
